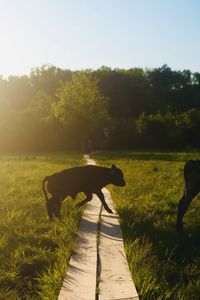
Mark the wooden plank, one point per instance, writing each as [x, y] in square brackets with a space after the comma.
[111, 266]
[115, 278]
[80, 280]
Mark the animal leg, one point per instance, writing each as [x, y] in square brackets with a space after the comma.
[88, 198]
[53, 207]
[49, 209]
[57, 207]
[102, 199]
[184, 202]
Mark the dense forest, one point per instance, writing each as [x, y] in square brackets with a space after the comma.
[56, 109]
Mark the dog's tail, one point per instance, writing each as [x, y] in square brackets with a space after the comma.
[44, 188]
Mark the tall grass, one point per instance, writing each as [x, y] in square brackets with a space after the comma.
[33, 251]
[164, 264]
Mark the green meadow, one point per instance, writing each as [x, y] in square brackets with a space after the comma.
[164, 265]
[34, 252]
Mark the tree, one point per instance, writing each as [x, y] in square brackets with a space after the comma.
[18, 92]
[81, 107]
[47, 78]
[41, 106]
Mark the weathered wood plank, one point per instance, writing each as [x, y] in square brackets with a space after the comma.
[80, 280]
[115, 278]
[115, 281]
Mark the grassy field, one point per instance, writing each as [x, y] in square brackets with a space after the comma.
[164, 265]
[33, 251]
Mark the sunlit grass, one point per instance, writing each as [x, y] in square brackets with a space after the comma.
[33, 251]
[163, 264]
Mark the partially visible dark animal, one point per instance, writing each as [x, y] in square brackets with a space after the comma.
[88, 179]
[192, 188]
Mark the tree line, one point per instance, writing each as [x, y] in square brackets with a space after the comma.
[56, 109]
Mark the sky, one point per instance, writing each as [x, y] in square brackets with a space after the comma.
[88, 34]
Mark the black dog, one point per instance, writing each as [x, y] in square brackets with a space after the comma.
[88, 179]
[192, 188]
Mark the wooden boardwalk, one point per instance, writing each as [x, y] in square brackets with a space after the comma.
[98, 270]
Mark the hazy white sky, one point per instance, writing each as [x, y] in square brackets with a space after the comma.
[79, 34]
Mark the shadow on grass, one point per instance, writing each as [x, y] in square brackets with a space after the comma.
[185, 246]
[177, 255]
